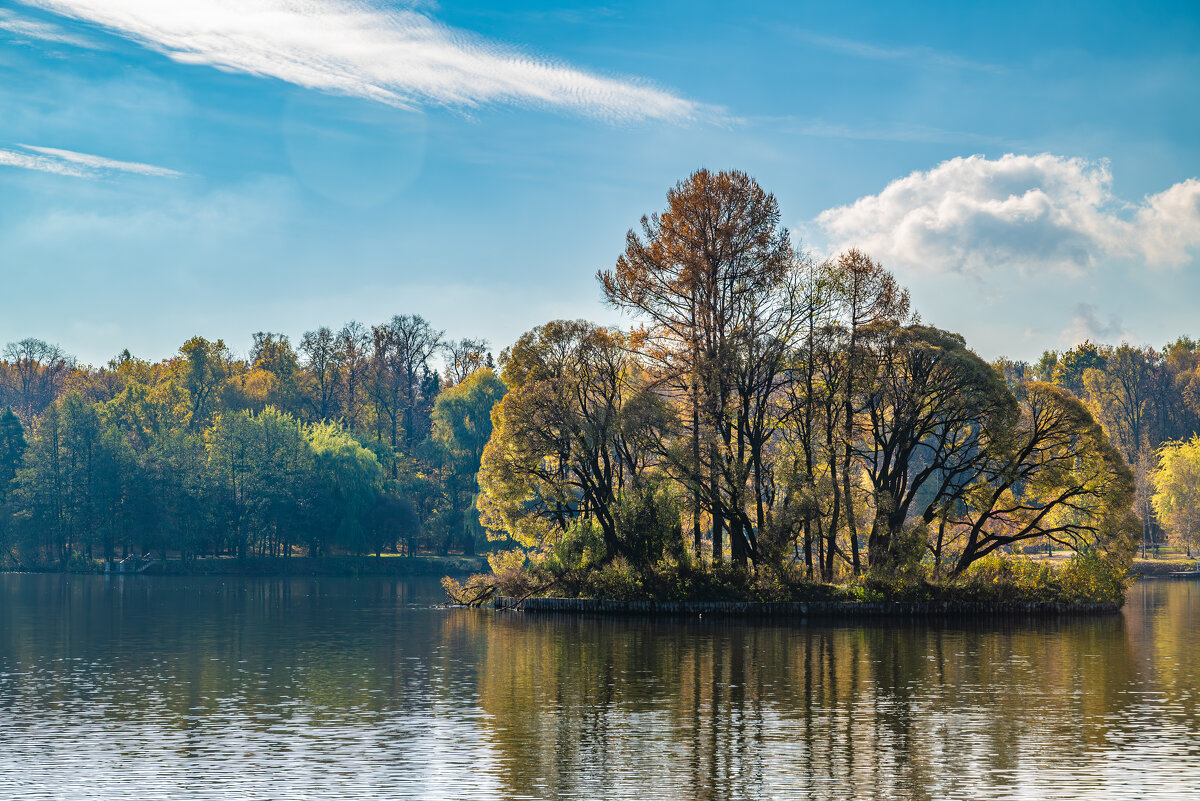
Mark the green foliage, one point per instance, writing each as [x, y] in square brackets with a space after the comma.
[1070, 366]
[581, 548]
[1001, 578]
[331, 449]
[648, 525]
[12, 449]
[1177, 489]
[348, 481]
[1090, 576]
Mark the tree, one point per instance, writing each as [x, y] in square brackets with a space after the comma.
[349, 478]
[1070, 366]
[12, 454]
[322, 371]
[1122, 394]
[351, 354]
[870, 297]
[401, 377]
[462, 426]
[927, 413]
[464, 357]
[12, 449]
[558, 450]
[262, 467]
[1177, 489]
[1051, 474]
[39, 368]
[273, 378]
[204, 367]
[697, 275]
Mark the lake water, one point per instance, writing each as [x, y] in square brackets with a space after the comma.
[175, 688]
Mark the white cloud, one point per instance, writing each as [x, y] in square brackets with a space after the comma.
[1170, 223]
[393, 55]
[43, 31]
[1021, 213]
[77, 165]
[1087, 323]
[27, 161]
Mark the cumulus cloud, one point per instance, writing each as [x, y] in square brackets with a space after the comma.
[394, 55]
[77, 165]
[1020, 213]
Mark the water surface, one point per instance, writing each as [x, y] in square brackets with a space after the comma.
[175, 688]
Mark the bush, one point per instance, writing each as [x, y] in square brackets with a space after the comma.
[581, 548]
[1089, 576]
[649, 525]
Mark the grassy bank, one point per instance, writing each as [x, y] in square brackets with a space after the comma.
[1149, 568]
[1086, 578]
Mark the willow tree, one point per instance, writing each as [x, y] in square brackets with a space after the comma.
[561, 446]
[462, 426]
[926, 417]
[1051, 475]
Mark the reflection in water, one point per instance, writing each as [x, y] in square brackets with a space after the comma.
[316, 688]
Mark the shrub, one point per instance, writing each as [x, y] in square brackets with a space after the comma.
[1090, 576]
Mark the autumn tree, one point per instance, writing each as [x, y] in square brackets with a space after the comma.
[558, 450]
[353, 364]
[1177, 489]
[699, 276]
[322, 372]
[925, 417]
[401, 379]
[1050, 474]
[39, 369]
[202, 369]
[464, 357]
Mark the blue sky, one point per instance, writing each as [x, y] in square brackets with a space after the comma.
[222, 167]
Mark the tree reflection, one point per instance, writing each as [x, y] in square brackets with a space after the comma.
[583, 707]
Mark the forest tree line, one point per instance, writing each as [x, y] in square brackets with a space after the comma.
[767, 410]
[1148, 401]
[349, 442]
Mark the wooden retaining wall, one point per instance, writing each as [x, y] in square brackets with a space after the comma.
[801, 609]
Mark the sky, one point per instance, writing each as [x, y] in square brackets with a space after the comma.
[1031, 171]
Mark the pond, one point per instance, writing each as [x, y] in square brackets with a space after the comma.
[179, 688]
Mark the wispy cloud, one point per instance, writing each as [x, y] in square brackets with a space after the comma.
[26, 28]
[879, 132]
[920, 55]
[1088, 323]
[393, 55]
[1019, 213]
[76, 165]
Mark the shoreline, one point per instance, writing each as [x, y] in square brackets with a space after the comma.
[803, 609]
[278, 567]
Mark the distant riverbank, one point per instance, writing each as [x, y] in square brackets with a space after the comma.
[289, 566]
[1150, 568]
